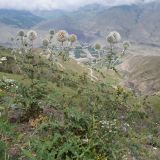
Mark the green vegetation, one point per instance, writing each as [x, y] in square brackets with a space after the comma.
[54, 109]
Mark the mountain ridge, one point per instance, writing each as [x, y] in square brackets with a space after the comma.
[130, 20]
[91, 23]
[19, 18]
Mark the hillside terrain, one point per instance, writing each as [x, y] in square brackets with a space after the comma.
[142, 73]
[71, 88]
[140, 69]
[90, 23]
[78, 118]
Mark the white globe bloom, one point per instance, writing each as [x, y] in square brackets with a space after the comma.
[32, 35]
[62, 36]
[114, 37]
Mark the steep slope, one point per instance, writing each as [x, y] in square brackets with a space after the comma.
[142, 73]
[68, 116]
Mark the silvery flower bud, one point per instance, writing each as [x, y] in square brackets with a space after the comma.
[97, 46]
[72, 38]
[45, 42]
[21, 33]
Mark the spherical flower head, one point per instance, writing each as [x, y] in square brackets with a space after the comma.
[21, 33]
[126, 45]
[62, 36]
[72, 38]
[114, 37]
[97, 46]
[52, 32]
[32, 35]
[45, 42]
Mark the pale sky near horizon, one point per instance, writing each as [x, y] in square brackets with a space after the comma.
[60, 4]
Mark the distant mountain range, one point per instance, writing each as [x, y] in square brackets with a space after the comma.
[21, 19]
[137, 23]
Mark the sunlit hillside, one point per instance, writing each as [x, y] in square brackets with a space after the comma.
[79, 80]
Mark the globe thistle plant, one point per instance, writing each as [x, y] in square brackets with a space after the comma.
[111, 56]
[114, 57]
[54, 44]
[31, 36]
[18, 41]
[62, 36]
[98, 48]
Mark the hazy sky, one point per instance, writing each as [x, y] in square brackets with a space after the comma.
[59, 4]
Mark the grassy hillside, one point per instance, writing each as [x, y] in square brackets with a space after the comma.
[62, 113]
